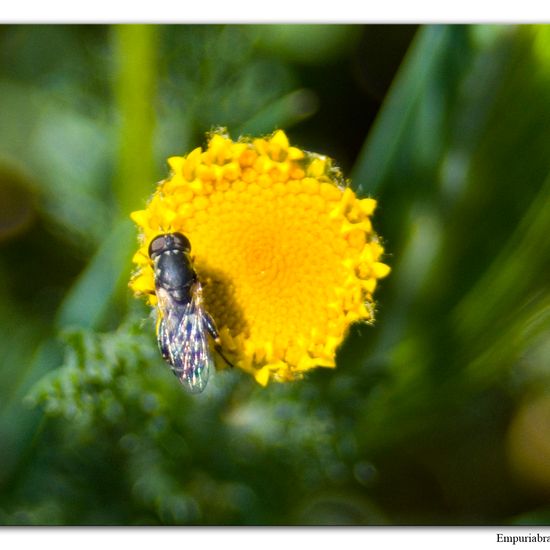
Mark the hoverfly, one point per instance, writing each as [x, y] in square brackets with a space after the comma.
[183, 324]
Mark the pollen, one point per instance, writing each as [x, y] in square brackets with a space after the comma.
[283, 247]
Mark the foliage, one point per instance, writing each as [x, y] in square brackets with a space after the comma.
[433, 415]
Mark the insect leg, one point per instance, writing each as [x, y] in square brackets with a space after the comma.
[210, 326]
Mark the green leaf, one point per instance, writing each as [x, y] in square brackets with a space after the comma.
[89, 301]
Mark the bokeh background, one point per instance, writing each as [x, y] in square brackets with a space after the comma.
[437, 414]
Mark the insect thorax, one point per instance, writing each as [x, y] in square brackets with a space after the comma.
[175, 274]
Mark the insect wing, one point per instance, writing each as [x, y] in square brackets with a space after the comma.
[183, 341]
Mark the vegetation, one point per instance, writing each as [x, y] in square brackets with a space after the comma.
[437, 414]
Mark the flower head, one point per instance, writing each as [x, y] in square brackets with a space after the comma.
[284, 249]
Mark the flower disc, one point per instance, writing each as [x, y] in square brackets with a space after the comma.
[285, 251]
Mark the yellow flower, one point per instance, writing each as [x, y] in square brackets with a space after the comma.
[285, 250]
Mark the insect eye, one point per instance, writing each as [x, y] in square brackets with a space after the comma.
[157, 246]
[168, 241]
[181, 242]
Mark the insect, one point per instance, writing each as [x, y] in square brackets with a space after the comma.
[183, 325]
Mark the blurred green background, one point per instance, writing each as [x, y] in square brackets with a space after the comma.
[439, 414]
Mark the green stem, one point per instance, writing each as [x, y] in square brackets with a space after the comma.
[135, 87]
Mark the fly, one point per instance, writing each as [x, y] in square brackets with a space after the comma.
[183, 324]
